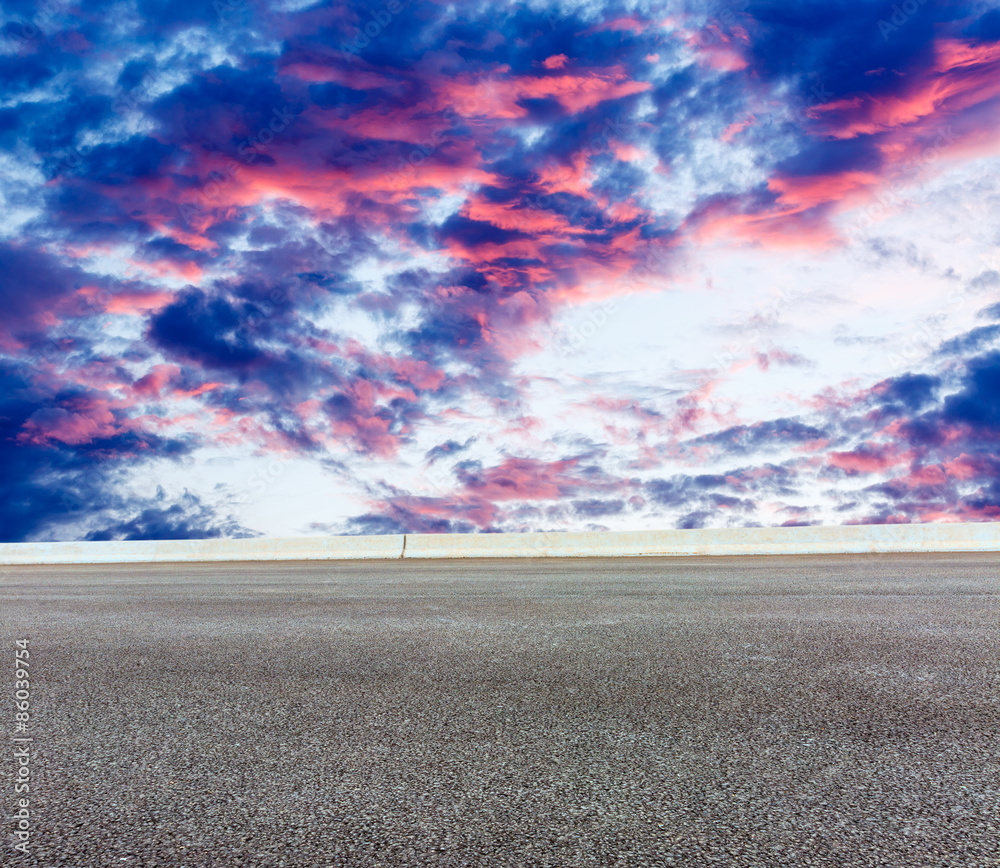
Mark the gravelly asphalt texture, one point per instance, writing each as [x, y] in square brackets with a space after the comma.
[827, 711]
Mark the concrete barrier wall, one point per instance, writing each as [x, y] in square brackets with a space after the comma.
[731, 541]
[980, 537]
[170, 551]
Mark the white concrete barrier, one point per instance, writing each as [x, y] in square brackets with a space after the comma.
[832, 539]
[170, 551]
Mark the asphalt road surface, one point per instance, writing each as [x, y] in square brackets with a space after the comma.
[798, 711]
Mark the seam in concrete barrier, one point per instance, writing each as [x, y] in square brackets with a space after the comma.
[835, 539]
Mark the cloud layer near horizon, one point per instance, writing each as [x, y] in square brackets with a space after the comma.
[405, 266]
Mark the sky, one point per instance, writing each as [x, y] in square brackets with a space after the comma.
[296, 268]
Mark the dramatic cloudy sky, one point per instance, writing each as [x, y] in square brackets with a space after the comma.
[293, 268]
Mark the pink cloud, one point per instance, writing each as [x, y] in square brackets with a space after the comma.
[869, 460]
[151, 385]
[499, 96]
[126, 302]
[90, 421]
[737, 127]
[530, 479]
[624, 23]
[964, 75]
